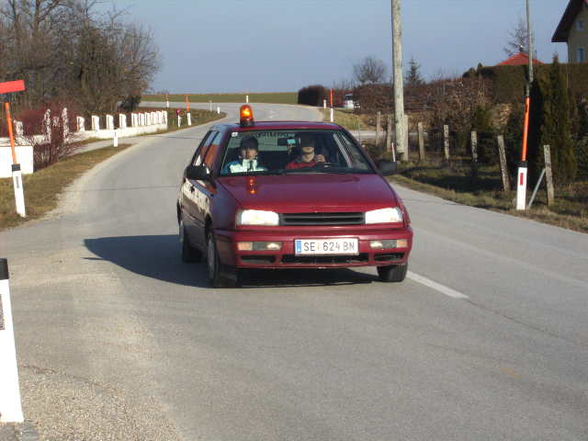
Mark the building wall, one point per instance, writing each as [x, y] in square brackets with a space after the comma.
[578, 38]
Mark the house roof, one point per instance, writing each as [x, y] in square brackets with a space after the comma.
[520, 59]
[563, 29]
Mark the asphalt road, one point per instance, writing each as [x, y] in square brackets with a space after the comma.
[117, 339]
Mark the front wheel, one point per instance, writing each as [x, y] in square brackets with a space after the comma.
[216, 276]
[392, 273]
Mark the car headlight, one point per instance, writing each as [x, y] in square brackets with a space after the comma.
[257, 217]
[383, 216]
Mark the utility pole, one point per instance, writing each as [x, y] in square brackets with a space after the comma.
[530, 43]
[399, 119]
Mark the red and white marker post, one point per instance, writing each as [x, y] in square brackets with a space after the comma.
[188, 114]
[522, 171]
[10, 402]
[11, 87]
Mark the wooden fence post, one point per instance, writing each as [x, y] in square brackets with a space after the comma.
[474, 139]
[475, 146]
[548, 175]
[503, 166]
[421, 133]
[378, 127]
[389, 134]
[446, 141]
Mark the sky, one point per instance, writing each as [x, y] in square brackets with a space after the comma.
[213, 46]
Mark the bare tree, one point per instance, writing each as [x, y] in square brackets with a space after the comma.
[370, 70]
[517, 39]
[66, 49]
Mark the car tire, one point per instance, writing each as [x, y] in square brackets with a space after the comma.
[216, 274]
[189, 253]
[392, 273]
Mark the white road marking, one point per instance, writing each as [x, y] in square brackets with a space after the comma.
[436, 286]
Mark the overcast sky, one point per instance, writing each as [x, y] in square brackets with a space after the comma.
[283, 45]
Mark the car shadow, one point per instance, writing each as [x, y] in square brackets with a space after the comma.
[158, 257]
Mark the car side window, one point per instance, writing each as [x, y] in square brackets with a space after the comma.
[212, 152]
[204, 146]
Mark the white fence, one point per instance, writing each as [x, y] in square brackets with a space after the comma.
[138, 124]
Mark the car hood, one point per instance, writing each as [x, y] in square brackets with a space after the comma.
[310, 192]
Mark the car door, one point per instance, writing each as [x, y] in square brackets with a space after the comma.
[201, 192]
[189, 199]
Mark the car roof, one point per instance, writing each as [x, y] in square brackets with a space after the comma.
[281, 125]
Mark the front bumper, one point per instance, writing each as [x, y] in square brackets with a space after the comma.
[286, 257]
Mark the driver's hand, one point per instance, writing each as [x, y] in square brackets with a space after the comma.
[320, 158]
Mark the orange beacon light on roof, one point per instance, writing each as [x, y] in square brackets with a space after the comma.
[246, 115]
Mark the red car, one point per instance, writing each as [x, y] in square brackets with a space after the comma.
[289, 194]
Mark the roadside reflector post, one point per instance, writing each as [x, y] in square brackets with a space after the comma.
[188, 112]
[115, 139]
[218, 109]
[522, 172]
[167, 100]
[522, 186]
[332, 115]
[17, 182]
[324, 104]
[247, 99]
[10, 402]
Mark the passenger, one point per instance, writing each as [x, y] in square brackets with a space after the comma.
[247, 162]
[307, 157]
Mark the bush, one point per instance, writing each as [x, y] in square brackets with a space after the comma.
[50, 142]
[375, 98]
[313, 95]
[130, 103]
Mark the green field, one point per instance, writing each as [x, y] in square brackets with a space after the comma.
[273, 98]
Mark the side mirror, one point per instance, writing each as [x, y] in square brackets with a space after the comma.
[387, 168]
[197, 173]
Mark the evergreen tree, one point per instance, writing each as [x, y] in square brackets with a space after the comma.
[556, 129]
[413, 76]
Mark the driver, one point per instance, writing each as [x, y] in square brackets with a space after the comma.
[307, 157]
[247, 162]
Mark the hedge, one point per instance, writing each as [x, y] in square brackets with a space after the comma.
[508, 82]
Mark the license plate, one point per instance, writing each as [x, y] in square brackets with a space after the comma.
[326, 246]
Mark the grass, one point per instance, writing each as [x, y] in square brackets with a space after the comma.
[271, 98]
[455, 183]
[350, 120]
[43, 187]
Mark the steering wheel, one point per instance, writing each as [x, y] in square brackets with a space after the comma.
[325, 164]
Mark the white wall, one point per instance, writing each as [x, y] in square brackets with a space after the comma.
[24, 156]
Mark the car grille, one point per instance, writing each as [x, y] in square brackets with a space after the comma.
[290, 258]
[354, 218]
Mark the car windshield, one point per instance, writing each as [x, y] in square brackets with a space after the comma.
[292, 151]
